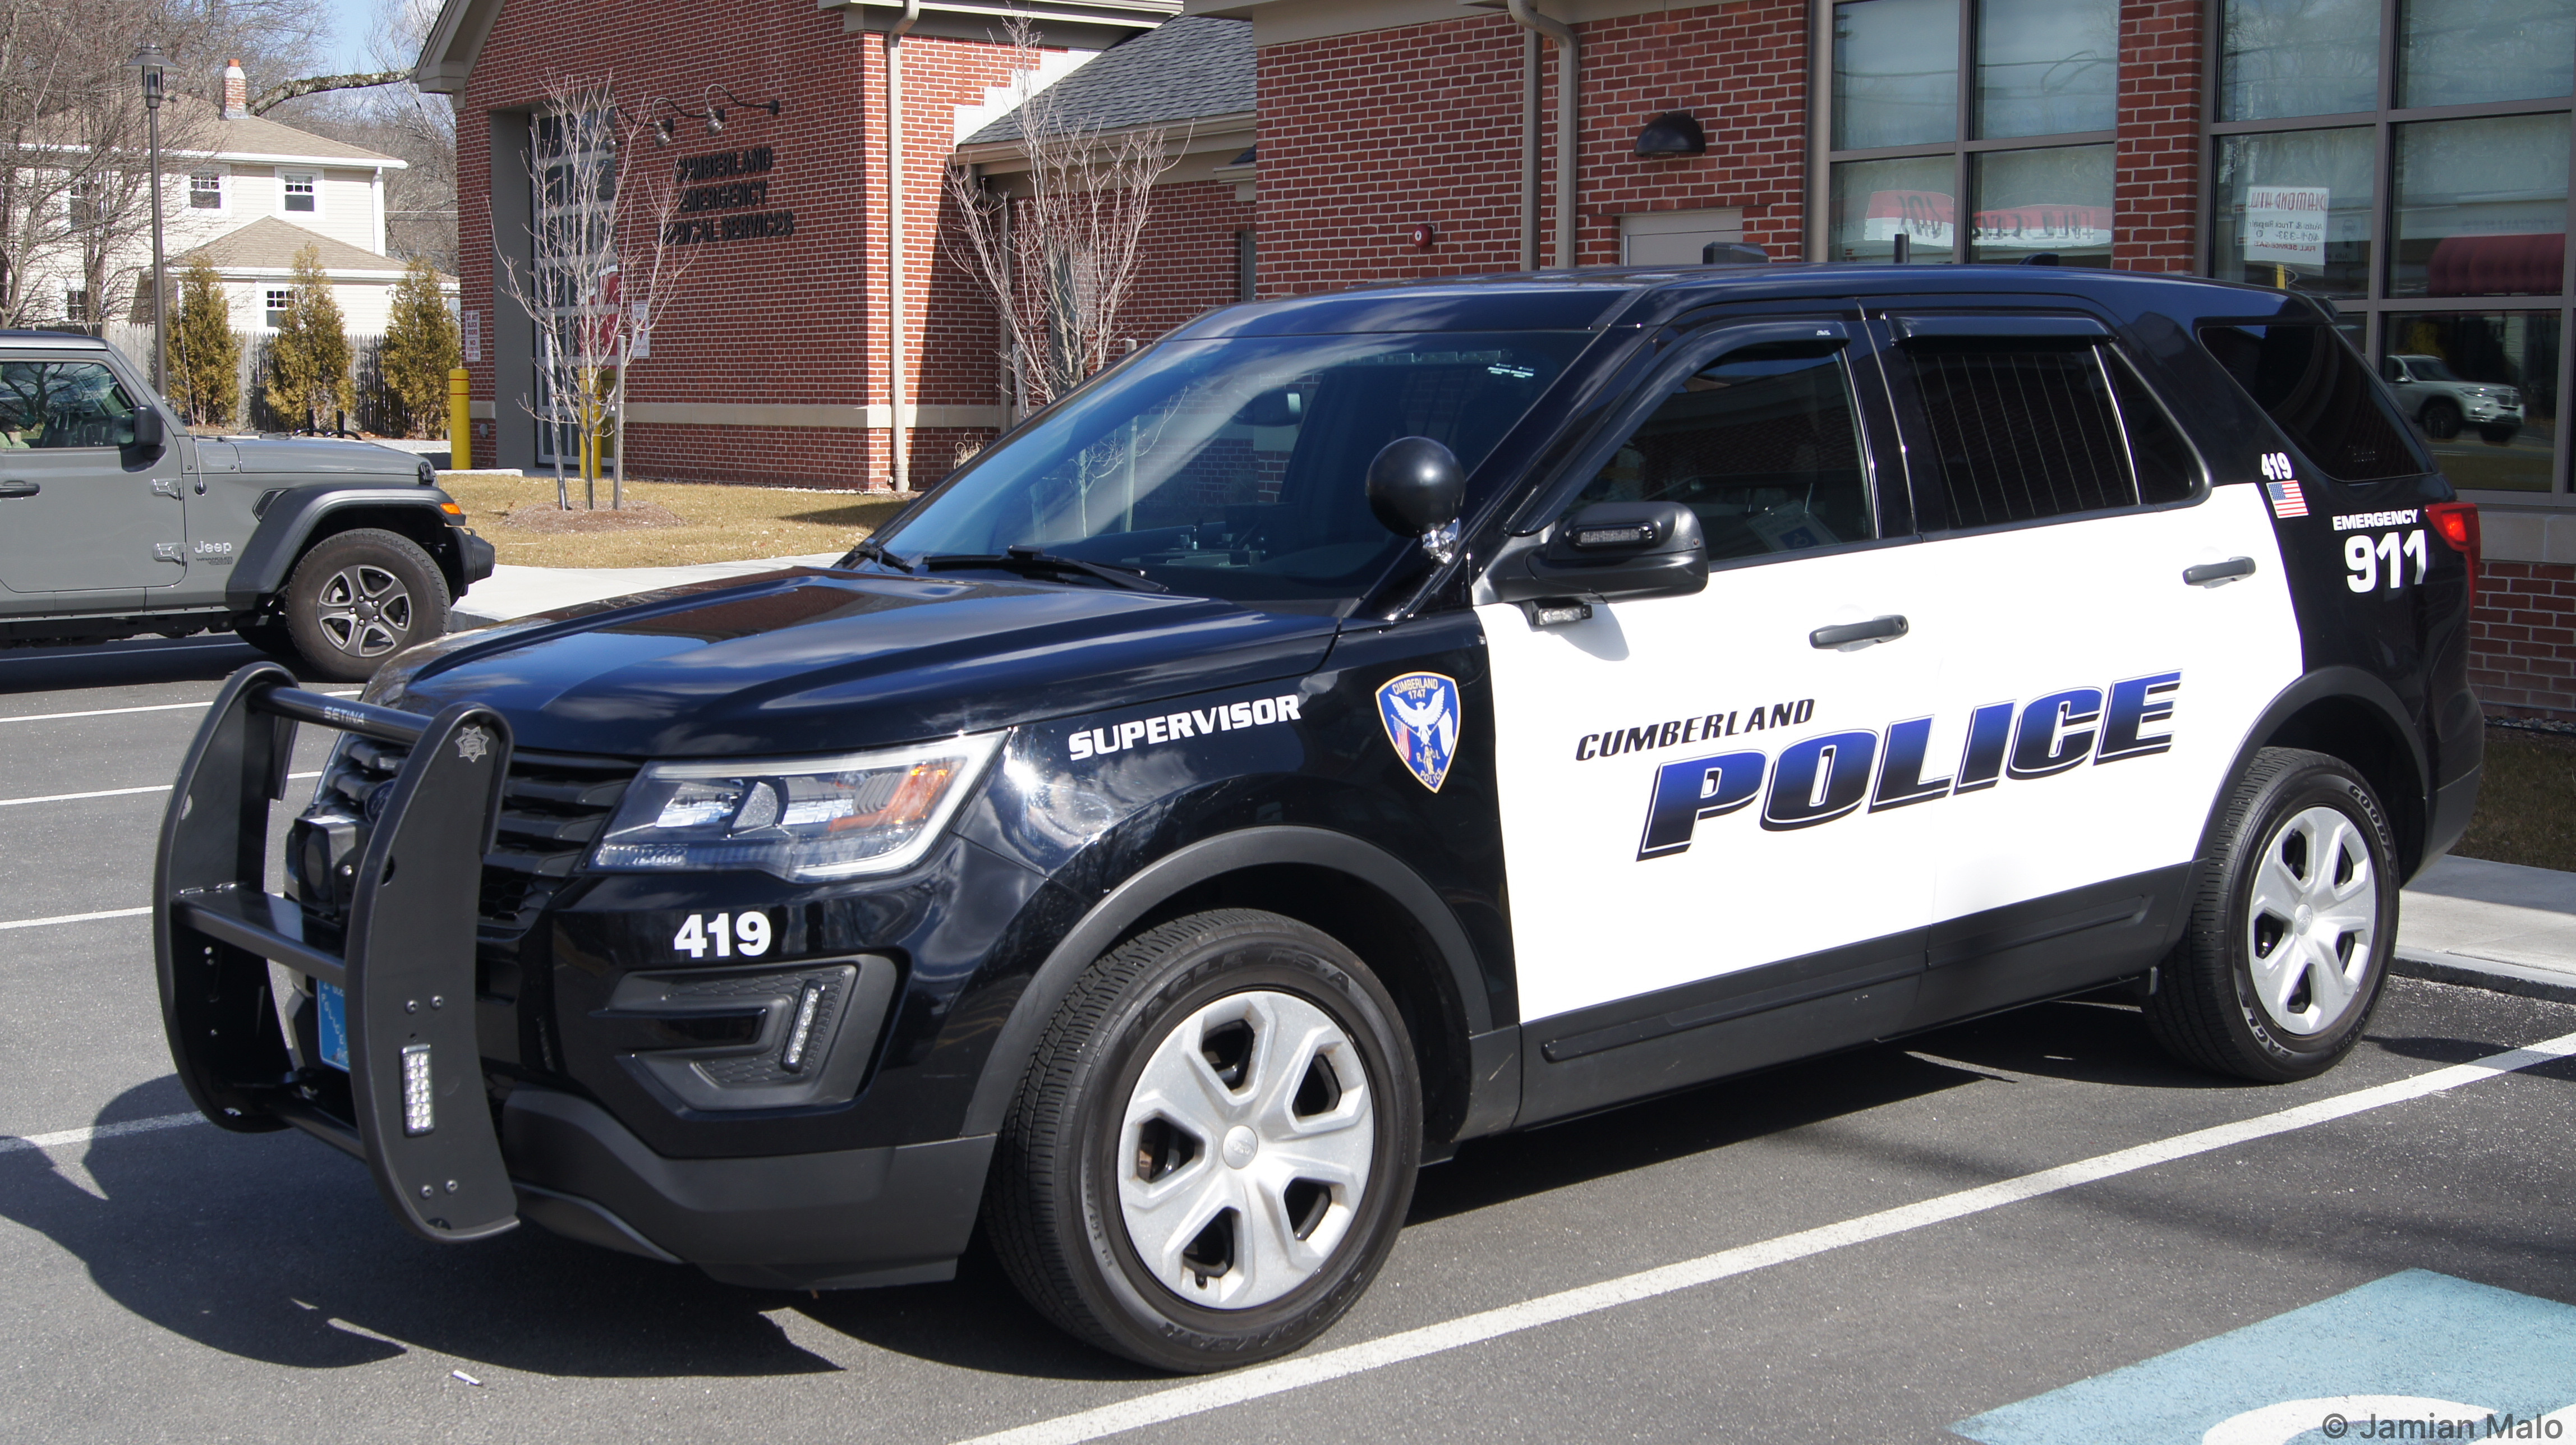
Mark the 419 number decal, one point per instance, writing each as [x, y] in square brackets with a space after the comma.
[2372, 562]
[728, 934]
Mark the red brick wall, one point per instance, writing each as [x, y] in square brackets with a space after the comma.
[1189, 255]
[2156, 190]
[1364, 136]
[2522, 640]
[798, 320]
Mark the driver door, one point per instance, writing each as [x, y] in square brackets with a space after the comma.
[1703, 800]
[75, 517]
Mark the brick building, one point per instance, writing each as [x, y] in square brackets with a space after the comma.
[2408, 159]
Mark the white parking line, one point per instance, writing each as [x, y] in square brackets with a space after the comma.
[9, 1145]
[73, 918]
[112, 793]
[154, 707]
[1195, 1399]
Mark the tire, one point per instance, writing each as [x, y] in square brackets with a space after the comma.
[2441, 420]
[2253, 990]
[357, 598]
[2499, 433]
[1183, 1072]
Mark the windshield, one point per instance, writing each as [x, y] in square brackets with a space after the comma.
[1236, 468]
[2425, 368]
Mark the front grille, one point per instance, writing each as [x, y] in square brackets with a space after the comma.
[553, 806]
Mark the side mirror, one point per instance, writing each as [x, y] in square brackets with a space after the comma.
[1611, 549]
[147, 429]
[1415, 486]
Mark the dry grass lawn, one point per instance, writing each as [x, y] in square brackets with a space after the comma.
[2527, 804]
[718, 524]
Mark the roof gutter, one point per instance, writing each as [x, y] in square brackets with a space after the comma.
[1569, 90]
[898, 435]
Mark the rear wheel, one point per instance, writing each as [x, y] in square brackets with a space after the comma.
[358, 598]
[2292, 928]
[1213, 1147]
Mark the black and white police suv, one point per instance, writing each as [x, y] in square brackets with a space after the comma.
[1351, 726]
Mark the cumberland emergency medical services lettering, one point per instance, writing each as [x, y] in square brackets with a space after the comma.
[1173, 726]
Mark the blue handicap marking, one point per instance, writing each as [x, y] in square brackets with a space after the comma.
[2415, 1356]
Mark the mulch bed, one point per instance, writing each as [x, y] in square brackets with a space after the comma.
[634, 516]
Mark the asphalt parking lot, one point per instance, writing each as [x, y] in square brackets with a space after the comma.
[1976, 1227]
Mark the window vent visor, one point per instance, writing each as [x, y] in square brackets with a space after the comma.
[2020, 333]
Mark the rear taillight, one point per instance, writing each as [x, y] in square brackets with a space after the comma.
[2457, 524]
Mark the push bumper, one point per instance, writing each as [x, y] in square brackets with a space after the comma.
[412, 1103]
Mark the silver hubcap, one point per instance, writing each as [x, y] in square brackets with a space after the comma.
[364, 610]
[1245, 1149]
[2312, 920]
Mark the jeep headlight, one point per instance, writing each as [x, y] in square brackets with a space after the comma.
[804, 819]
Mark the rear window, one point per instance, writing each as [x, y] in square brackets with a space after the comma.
[2317, 389]
[2022, 435]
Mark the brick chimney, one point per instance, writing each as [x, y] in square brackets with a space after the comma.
[236, 92]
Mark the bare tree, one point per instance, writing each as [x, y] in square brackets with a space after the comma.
[1058, 262]
[75, 174]
[603, 266]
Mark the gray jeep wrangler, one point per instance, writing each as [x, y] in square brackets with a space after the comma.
[115, 522]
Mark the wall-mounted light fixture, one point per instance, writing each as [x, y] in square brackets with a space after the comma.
[1674, 133]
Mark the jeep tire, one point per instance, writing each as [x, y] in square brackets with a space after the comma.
[357, 598]
[1214, 1144]
[2292, 925]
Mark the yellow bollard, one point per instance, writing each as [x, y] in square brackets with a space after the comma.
[460, 422]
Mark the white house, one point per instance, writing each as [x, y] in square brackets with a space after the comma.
[247, 193]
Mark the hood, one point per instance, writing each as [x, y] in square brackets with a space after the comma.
[321, 456]
[810, 660]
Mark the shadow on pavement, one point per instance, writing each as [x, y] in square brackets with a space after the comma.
[124, 664]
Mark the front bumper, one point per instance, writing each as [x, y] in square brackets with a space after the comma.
[417, 1103]
[478, 555]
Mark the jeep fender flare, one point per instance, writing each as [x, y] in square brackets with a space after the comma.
[1494, 1091]
[293, 519]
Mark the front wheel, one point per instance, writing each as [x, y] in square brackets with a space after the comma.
[359, 597]
[1213, 1147]
[2291, 929]
[2441, 420]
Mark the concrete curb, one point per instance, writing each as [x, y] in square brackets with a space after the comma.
[2458, 968]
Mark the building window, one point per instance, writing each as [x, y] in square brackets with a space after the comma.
[2009, 103]
[279, 303]
[206, 191]
[299, 190]
[2409, 160]
[76, 307]
[83, 202]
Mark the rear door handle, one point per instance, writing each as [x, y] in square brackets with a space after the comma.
[19, 489]
[1848, 635]
[2210, 574]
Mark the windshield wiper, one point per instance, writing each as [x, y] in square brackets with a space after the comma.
[873, 550]
[1029, 561]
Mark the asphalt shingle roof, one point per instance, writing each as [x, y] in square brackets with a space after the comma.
[1183, 69]
[200, 126]
[269, 241]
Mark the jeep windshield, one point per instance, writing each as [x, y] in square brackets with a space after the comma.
[1233, 468]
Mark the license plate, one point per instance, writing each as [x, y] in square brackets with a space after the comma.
[331, 1009]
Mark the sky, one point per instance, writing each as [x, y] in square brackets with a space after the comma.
[345, 49]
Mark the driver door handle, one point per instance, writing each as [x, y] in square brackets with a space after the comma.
[1849, 635]
[19, 489]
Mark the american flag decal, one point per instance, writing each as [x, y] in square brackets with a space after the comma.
[2287, 500]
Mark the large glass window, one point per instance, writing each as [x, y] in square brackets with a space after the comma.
[2462, 52]
[2298, 57]
[2046, 67]
[2409, 160]
[2481, 207]
[2481, 388]
[2294, 209]
[2056, 201]
[1991, 97]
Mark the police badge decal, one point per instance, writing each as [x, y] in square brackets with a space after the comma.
[1420, 710]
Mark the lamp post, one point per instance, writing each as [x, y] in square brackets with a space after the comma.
[147, 58]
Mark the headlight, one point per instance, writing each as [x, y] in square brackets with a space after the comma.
[801, 818]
